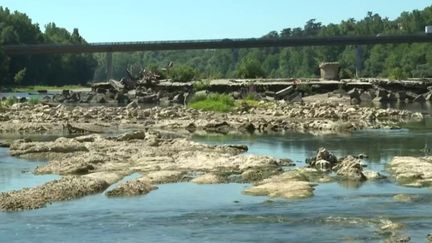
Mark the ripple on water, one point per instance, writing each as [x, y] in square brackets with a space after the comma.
[187, 212]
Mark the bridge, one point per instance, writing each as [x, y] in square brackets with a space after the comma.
[109, 48]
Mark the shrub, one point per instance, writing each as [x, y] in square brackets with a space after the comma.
[33, 100]
[201, 85]
[250, 68]
[182, 73]
[212, 102]
[10, 101]
[398, 74]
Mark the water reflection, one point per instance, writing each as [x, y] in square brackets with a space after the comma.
[220, 213]
[16, 173]
[380, 145]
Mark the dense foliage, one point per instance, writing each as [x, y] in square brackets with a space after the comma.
[17, 28]
[395, 61]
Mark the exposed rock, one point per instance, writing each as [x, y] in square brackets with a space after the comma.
[83, 128]
[60, 145]
[429, 237]
[131, 135]
[354, 94]
[4, 144]
[166, 176]
[117, 85]
[323, 165]
[247, 128]
[191, 127]
[403, 198]
[420, 99]
[137, 187]
[295, 97]
[207, 179]
[222, 127]
[66, 188]
[366, 97]
[73, 164]
[290, 185]
[148, 99]
[411, 171]
[373, 175]
[324, 160]
[259, 174]
[350, 168]
[99, 98]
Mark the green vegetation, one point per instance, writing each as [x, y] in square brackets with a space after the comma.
[212, 102]
[10, 101]
[17, 28]
[415, 60]
[223, 102]
[33, 101]
[247, 103]
[182, 73]
[395, 61]
[201, 85]
[33, 88]
[250, 68]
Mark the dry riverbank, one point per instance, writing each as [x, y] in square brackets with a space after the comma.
[266, 117]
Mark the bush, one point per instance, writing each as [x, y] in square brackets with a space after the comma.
[33, 101]
[212, 102]
[182, 73]
[10, 101]
[398, 74]
[201, 85]
[250, 68]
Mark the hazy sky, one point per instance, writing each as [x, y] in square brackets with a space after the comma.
[140, 20]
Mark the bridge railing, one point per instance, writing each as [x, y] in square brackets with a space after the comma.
[211, 44]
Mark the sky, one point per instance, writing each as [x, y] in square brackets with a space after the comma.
[148, 20]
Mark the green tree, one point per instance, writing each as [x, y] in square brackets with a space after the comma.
[250, 67]
[4, 66]
[182, 73]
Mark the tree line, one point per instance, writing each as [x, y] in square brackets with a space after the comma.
[391, 61]
[17, 28]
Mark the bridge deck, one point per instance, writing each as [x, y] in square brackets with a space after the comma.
[212, 44]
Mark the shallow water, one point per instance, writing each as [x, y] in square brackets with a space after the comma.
[187, 212]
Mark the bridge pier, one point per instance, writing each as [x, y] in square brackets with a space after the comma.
[235, 56]
[358, 60]
[109, 67]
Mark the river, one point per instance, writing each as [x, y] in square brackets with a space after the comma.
[186, 212]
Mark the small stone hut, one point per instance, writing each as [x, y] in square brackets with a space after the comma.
[329, 70]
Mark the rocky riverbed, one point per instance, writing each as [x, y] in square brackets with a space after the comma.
[157, 145]
[264, 118]
[91, 163]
